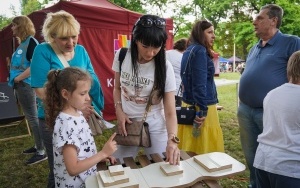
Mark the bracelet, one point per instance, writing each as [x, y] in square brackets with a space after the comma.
[171, 134]
[116, 104]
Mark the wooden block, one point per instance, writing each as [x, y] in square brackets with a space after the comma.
[171, 170]
[212, 163]
[116, 170]
[109, 180]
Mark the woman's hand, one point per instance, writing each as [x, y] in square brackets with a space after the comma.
[173, 153]
[16, 80]
[122, 119]
[87, 111]
[199, 120]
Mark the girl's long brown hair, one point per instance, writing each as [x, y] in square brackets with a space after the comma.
[57, 81]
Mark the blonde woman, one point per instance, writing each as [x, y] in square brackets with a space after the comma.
[23, 29]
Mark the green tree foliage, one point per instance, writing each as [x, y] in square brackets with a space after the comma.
[4, 21]
[28, 6]
[233, 21]
[134, 5]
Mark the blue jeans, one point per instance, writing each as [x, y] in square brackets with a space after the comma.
[27, 99]
[269, 180]
[47, 139]
[251, 125]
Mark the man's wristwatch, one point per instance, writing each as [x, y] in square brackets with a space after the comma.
[175, 139]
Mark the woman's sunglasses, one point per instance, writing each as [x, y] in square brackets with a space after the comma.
[149, 22]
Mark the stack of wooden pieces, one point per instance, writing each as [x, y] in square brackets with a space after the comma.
[117, 176]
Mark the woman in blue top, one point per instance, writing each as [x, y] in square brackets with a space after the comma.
[199, 89]
[61, 32]
[23, 29]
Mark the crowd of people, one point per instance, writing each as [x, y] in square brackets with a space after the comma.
[58, 90]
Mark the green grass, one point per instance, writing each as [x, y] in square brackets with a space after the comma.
[14, 172]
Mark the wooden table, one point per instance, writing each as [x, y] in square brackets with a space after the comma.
[141, 166]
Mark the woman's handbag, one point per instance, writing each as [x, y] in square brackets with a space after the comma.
[186, 115]
[137, 132]
[96, 124]
[137, 135]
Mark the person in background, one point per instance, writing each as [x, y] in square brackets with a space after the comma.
[75, 152]
[20, 80]
[265, 70]
[278, 151]
[60, 31]
[174, 56]
[199, 89]
[143, 69]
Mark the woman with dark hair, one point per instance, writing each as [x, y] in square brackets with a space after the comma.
[23, 29]
[199, 89]
[145, 69]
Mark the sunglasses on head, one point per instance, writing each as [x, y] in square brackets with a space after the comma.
[149, 22]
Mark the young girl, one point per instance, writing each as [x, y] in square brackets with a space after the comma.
[74, 149]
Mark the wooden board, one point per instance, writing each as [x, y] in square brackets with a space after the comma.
[211, 163]
[237, 167]
[153, 176]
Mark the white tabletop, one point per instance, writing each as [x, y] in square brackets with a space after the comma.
[152, 175]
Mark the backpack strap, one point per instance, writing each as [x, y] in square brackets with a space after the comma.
[122, 55]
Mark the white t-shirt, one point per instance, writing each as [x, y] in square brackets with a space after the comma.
[175, 57]
[278, 151]
[134, 98]
[76, 131]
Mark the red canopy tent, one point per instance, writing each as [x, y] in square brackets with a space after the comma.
[105, 27]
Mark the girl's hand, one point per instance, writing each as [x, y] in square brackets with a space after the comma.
[173, 153]
[110, 146]
[111, 159]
